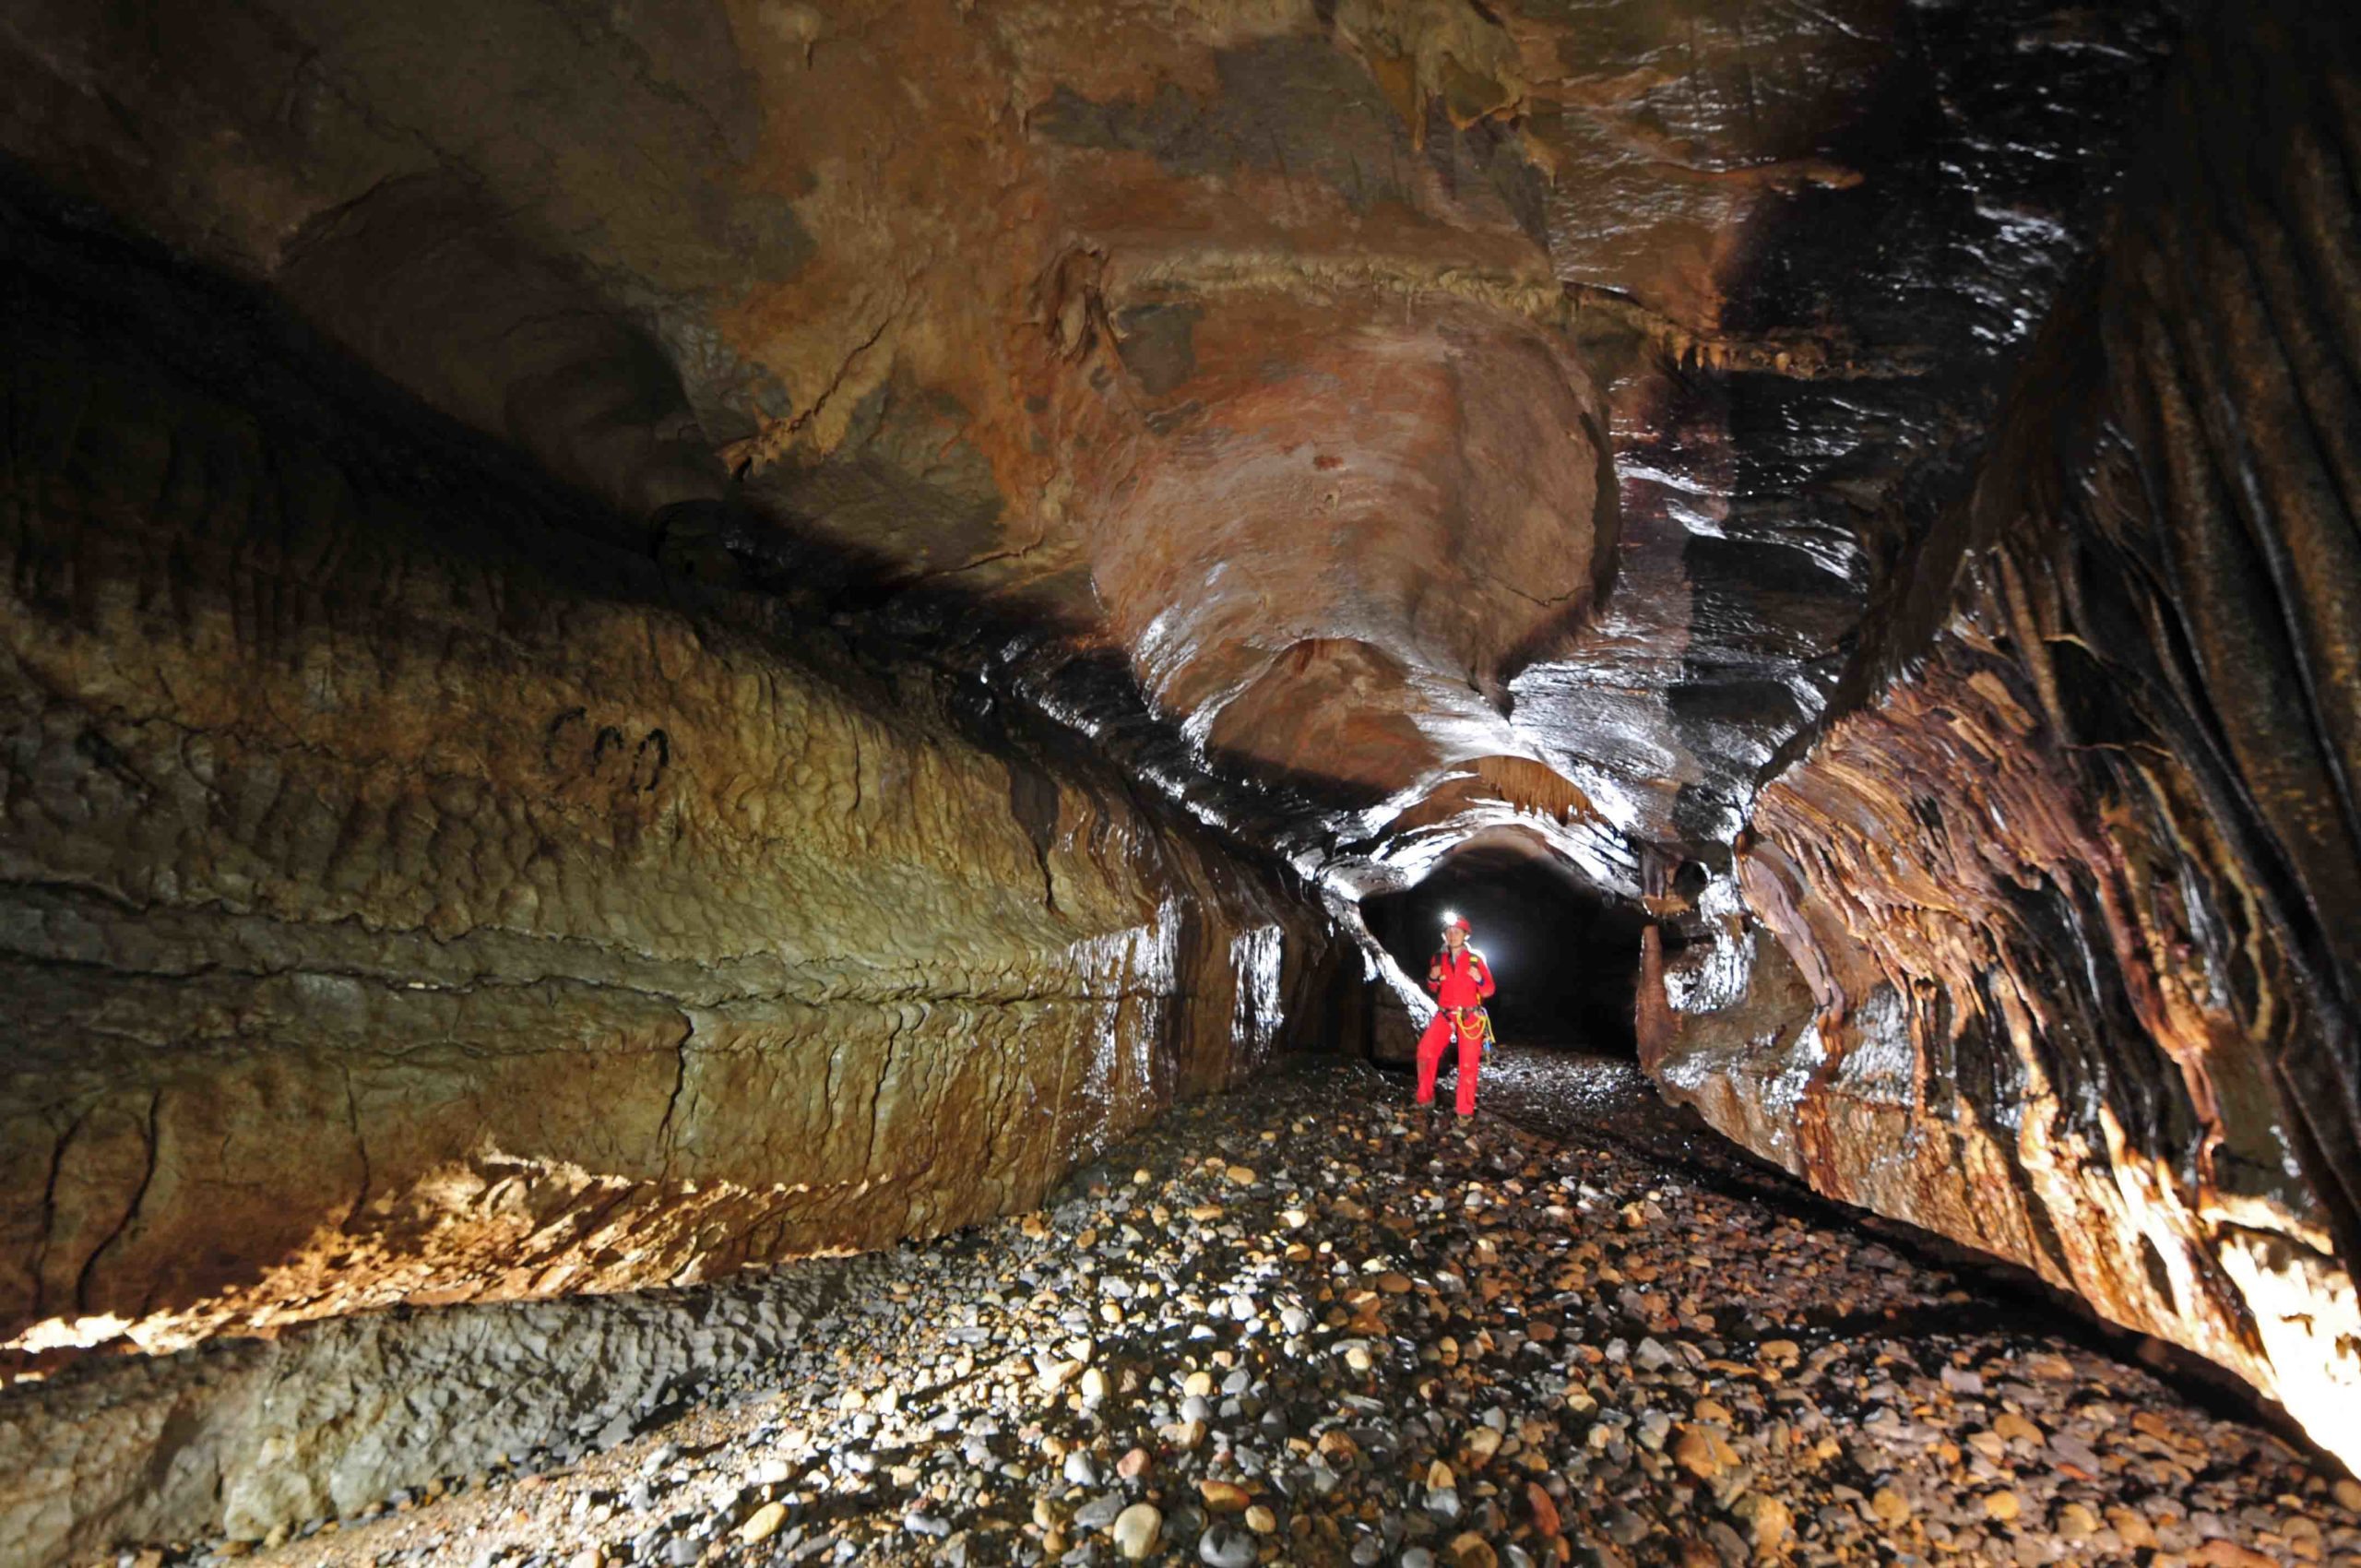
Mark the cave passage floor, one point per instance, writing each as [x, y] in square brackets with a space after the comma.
[1304, 1323]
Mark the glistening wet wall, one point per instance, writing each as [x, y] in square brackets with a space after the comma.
[409, 896]
[2048, 942]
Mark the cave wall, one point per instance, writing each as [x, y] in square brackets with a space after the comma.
[1250, 377]
[408, 896]
[2049, 940]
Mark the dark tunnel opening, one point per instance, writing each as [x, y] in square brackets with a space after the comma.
[1566, 955]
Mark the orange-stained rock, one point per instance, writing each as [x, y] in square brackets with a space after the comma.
[1422, 420]
[408, 900]
[2048, 942]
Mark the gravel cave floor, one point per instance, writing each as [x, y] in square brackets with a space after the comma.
[1305, 1323]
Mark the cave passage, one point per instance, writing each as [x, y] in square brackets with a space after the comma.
[709, 715]
[1566, 957]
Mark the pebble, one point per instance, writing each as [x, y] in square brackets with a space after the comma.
[1471, 1346]
[1137, 1530]
[1224, 1497]
[1768, 1521]
[763, 1523]
[1469, 1549]
[1225, 1545]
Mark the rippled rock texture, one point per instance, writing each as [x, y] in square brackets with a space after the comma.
[1379, 425]
[1363, 400]
[409, 897]
[1217, 344]
[2048, 942]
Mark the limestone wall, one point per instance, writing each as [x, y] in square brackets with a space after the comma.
[407, 898]
[2050, 942]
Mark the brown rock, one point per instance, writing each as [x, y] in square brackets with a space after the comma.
[2133, 1526]
[504, 832]
[1470, 1550]
[1544, 1507]
[1856, 870]
[2221, 1552]
[1695, 1453]
[1769, 1522]
[1224, 1497]
[2011, 1425]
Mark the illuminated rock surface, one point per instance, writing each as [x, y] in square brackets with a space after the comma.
[643, 639]
[2062, 909]
[1273, 1317]
[413, 899]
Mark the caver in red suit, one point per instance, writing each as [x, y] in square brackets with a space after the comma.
[1460, 980]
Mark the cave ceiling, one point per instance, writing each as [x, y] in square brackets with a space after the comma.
[1376, 420]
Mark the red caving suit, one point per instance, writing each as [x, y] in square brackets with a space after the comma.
[1458, 979]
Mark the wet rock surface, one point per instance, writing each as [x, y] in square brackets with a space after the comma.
[1309, 1325]
[1371, 391]
[408, 895]
[2045, 942]
[1871, 483]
